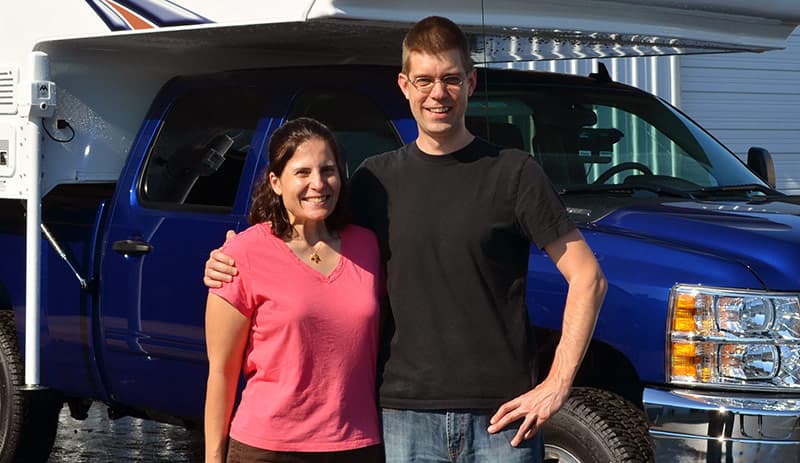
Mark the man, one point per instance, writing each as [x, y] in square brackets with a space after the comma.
[455, 216]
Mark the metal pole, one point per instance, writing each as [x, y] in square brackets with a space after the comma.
[38, 69]
[32, 258]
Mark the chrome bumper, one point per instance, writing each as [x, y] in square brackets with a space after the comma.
[730, 427]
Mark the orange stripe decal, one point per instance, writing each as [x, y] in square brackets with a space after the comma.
[133, 19]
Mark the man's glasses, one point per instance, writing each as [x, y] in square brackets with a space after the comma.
[425, 84]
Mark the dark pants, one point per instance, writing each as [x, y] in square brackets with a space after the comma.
[243, 453]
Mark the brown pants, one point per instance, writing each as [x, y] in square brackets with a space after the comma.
[243, 453]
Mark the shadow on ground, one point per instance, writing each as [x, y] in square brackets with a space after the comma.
[99, 439]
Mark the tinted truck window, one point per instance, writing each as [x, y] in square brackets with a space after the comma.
[361, 127]
[200, 149]
[586, 138]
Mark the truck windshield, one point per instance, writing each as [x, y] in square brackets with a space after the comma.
[594, 139]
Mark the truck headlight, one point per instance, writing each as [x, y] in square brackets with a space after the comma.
[734, 338]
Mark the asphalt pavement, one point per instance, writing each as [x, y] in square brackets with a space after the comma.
[99, 439]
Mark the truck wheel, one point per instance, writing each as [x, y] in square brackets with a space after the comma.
[597, 426]
[28, 420]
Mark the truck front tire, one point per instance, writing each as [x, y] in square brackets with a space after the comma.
[28, 420]
[597, 426]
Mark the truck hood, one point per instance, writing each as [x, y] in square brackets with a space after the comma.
[763, 236]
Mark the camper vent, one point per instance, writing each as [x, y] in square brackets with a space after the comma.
[8, 87]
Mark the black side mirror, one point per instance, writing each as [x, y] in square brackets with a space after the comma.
[759, 160]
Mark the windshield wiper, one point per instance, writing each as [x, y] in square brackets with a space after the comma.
[659, 190]
[748, 187]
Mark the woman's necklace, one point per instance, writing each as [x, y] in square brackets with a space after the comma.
[314, 248]
[314, 255]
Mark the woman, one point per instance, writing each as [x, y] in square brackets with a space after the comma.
[300, 319]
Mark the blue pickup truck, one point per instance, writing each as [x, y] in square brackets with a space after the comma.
[696, 354]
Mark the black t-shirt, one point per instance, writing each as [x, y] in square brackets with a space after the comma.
[455, 233]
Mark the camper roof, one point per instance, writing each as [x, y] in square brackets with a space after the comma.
[500, 30]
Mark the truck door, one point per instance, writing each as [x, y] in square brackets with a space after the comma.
[199, 155]
[188, 182]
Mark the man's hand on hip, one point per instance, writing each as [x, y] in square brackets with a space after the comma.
[534, 408]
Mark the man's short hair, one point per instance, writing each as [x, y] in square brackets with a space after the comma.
[434, 35]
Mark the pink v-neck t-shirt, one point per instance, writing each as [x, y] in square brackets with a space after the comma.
[310, 361]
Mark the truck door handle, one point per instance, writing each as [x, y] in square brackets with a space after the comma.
[131, 247]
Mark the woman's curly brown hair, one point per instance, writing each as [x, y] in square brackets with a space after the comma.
[266, 205]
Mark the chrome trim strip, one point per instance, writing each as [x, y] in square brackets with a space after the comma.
[675, 435]
[724, 417]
